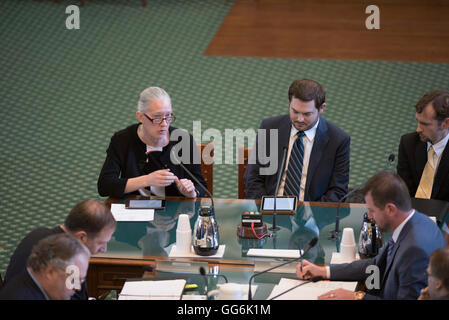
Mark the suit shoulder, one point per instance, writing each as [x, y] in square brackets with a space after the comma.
[410, 138]
[126, 133]
[335, 130]
[275, 122]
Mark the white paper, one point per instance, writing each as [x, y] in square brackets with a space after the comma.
[337, 258]
[309, 291]
[273, 253]
[152, 290]
[120, 213]
[174, 254]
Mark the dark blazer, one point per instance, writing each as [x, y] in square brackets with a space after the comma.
[404, 277]
[412, 158]
[126, 158]
[21, 287]
[328, 172]
[18, 260]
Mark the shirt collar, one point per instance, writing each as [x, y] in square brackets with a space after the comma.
[37, 284]
[310, 134]
[439, 146]
[399, 228]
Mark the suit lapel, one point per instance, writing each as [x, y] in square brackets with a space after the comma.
[421, 159]
[442, 171]
[405, 230]
[284, 139]
[321, 139]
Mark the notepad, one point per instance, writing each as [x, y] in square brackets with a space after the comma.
[120, 213]
[308, 291]
[274, 253]
[152, 290]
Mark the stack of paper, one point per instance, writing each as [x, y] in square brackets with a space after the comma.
[308, 291]
[273, 253]
[120, 213]
[152, 290]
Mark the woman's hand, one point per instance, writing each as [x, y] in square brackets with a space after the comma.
[186, 187]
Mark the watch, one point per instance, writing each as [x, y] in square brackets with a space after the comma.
[358, 295]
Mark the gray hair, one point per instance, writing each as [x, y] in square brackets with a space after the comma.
[58, 250]
[148, 95]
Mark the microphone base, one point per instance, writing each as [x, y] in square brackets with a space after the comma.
[335, 236]
[274, 229]
[247, 232]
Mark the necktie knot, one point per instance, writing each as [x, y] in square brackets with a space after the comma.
[300, 134]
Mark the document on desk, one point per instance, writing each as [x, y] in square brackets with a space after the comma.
[273, 253]
[309, 291]
[152, 290]
[120, 213]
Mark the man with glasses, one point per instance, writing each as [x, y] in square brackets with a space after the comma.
[56, 267]
[138, 159]
[437, 276]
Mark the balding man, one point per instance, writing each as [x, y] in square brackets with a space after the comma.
[90, 222]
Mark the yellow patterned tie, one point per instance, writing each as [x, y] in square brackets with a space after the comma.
[425, 184]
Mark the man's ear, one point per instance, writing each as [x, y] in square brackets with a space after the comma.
[321, 109]
[81, 236]
[391, 209]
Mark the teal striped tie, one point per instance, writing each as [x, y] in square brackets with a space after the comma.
[294, 171]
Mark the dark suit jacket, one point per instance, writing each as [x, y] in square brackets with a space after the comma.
[328, 172]
[404, 277]
[21, 287]
[126, 159]
[18, 261]
[412, 159]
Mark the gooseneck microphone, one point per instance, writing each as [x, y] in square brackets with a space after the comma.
[281, 173]
[193, 177]
[312, 243]
[336, 232]
[311, 280]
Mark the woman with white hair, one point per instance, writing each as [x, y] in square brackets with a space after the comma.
[138, 159]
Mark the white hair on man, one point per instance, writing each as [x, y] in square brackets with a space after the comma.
[148, 95]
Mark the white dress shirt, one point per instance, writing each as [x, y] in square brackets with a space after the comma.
[308, 139]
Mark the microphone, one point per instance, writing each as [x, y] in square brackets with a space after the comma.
[312, 243]
[311, 280]
[203, 273]
[193, 177]
[336, 232]
[390, 162]
[281, 173]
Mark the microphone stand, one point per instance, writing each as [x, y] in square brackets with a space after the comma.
[281, 173]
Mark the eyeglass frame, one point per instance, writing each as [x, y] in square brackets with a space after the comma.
[172, 119]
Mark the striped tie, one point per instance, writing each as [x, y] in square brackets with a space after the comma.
[424, 190]
[294, 171]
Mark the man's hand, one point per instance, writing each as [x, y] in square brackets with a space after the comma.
[338, 294]
[424, 294]
[308, 270]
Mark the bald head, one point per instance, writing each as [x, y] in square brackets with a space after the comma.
[90, 216]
